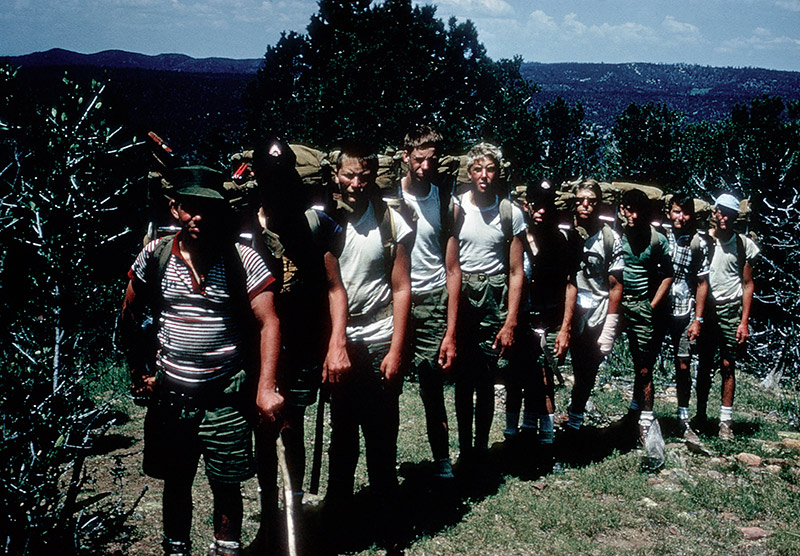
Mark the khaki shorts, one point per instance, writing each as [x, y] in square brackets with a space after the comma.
[178, 429]
[678, 330]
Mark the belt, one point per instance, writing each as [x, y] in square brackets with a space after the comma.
[375, 315]
[476, 276]
[635, 297]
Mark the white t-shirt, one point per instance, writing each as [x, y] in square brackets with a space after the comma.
[592, 280]
[481, 241]
[363, 269]
[427, 260]
[723, 277]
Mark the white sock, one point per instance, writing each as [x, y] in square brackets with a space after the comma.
[726, 413]
[646, 418]
[683, 413]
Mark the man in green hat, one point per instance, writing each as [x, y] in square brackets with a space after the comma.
[211, 303]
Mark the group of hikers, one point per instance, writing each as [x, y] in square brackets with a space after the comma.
[230, 343]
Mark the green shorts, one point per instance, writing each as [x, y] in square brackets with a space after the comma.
[178, 429]
[298, 383]
[426, 327]
[483, 309]
[718, 332]
[645, 329]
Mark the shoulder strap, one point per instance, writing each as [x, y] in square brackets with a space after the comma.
[388, 231]
[455, 213]
[741, 256]
[653, 239]
[234, 267]
[386, 226]
[506, 218]
[445, 209]
[154, 275]
[161, 255]
[313, 222]
[696, 246]
[608, 244]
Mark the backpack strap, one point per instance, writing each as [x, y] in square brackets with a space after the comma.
[608, 245]
[313, 222]
[455, 213]
[695, 246]
[506, 218]
[388, 231]
[653, 239]
[741, 256]
[445, 207]
[154, 275]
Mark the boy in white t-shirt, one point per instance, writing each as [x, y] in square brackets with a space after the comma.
[490, 231]
[435, 286]
[725, 329]
[378, 286]
[599, 283]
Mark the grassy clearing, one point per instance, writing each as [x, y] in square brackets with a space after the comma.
[598, 503]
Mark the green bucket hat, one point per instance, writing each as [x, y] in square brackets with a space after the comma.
[199, 182]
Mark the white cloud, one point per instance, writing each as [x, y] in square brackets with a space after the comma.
[572, 25]
[791, 5]
[680, 31]
[630, 33]
[541, 22]
[479, 8]
[570, 28]
[761, 39]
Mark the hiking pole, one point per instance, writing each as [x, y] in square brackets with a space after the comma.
[288, 499]
[319, 429]
[542, 334]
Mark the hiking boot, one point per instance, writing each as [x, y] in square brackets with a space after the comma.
[225, 548]
[444, 469]
[176, 548]
[726, 430]
[689, 436]
[561, 419]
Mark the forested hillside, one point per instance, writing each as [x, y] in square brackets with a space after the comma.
[191, 100]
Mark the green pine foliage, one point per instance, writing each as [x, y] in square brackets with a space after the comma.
[372, 71]
[62, 179]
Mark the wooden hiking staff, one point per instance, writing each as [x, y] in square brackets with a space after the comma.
[288, 499]
[319, 430]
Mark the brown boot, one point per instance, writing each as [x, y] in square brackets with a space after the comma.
[726, 430]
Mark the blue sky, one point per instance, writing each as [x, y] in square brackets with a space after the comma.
[759, 33]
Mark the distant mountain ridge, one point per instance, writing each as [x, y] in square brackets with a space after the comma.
[123, 59]
[190, 99]
[700, 92]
